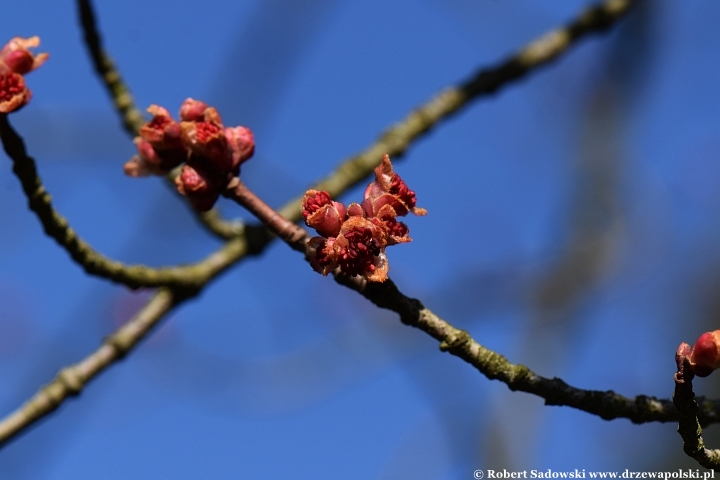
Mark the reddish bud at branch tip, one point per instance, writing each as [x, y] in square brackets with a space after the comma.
[704, 357]
[193, 110]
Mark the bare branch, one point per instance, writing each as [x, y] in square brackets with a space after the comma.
[225, 229]
[105, 67]
[288, 232]
[605, 404]
[71, 381]
[394, 141]
[94, 263]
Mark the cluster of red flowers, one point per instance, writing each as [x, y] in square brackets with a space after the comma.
[15, 61]
[211, 152]
[354, 237]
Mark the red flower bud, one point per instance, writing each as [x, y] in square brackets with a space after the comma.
[357, 235]
[705, 355]
[355, 210]
[146, 162]
[13, 93]
[162, 132]
[242, 145]
[212, 153]
[194, 185]
[322, 257]
[15, 56]
[397, 232]
[359, 249]
[163, 135]
[389, 189]
[193, 110]
[322, 214]
[208, 144]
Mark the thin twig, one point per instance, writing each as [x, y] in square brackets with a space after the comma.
[225, 229]
[131, 117]
[606, 404]
[288, 232]
[396, 140]
[71, 381]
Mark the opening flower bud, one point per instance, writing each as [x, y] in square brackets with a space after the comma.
[705, 355]
[242, 145]
[193, 184]
[322, 214]
[16, 57]
[389, 189]
[13, 93]
[193, 110]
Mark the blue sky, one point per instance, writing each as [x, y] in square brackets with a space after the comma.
[573, 226]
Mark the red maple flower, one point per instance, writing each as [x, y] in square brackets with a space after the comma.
[15, 61]
[389, 189]
[322, 214]
[211, 152]
[13, 93]
[354, 237]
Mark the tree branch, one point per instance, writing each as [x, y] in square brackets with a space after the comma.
[94, 263]
[131, 117]
[605, 404]
[71, 381]
[395, 141]
[225, 229]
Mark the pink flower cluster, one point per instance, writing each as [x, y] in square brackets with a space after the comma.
[212, 153]
[354, 237]
[16, 60]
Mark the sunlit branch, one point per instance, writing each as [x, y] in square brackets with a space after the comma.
[605, 404]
